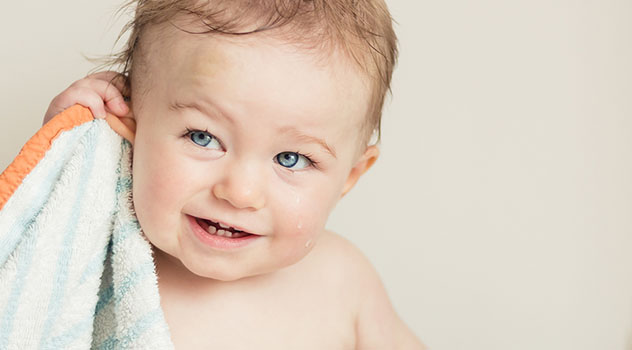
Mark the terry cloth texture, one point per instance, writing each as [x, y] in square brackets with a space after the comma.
[75, 270]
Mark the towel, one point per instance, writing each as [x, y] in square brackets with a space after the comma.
[76, 271]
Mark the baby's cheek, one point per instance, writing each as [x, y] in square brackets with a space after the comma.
[309, 219]
[158, 174]
[149, 191]
[153, 192]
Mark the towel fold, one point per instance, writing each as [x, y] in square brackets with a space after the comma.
[75, 270]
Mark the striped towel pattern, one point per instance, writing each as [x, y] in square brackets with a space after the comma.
[75, 270]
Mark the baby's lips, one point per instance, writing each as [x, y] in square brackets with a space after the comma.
[224, 225]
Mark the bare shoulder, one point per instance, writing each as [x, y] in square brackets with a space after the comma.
[377, 326]
[333, 250]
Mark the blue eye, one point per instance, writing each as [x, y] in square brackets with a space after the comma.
[293, 160]
[204, 139]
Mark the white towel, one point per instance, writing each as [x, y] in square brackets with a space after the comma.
[75, 270]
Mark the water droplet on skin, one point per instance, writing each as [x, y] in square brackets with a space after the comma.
[299, 225]
[308, 243]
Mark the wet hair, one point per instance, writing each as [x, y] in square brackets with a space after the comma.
[361, 29]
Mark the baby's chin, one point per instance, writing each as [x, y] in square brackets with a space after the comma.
[169, 261]
[220, 274]
[224, 269]
[231, 274]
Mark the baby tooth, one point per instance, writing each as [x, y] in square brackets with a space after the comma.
[223, 226]
[221, 232]
[212, 229]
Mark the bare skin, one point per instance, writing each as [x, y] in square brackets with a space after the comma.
[297, 287]
[331, 299]
[316, 303]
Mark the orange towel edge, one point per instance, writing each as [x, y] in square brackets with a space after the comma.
[36, 147]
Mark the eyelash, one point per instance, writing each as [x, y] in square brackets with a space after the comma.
[308, 156]
[188, 132]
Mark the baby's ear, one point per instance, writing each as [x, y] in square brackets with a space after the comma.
[363, 164]
[124, 126]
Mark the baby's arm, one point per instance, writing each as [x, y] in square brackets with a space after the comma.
[101, 92]
[358, 287]
[378, 326]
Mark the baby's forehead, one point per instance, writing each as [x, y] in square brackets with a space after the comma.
[191, 35]
[197, 60]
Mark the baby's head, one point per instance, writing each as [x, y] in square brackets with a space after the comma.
[254, 116]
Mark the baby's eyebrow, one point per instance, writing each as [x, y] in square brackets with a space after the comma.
[174, 106]
[308, 138]
[294, 132]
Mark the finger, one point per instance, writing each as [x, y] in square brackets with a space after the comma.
[117, 106]
[82, 95]
[110, 95]
[115, 78]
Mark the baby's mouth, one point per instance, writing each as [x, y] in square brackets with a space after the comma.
[215, 229]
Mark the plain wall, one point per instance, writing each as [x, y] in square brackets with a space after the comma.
[500, 213]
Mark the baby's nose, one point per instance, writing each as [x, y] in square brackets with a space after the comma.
[241, 187]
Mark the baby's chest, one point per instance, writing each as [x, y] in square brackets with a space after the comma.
[279, 323]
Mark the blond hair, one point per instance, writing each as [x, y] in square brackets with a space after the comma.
[360, 28]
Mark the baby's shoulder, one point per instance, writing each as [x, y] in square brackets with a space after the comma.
[345, 269]
[341, 259]
[336, 265]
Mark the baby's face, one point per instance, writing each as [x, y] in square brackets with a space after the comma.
[250, 134]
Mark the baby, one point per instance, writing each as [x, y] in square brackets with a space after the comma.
[252, 119]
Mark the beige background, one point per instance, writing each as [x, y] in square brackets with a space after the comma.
[500, 213]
